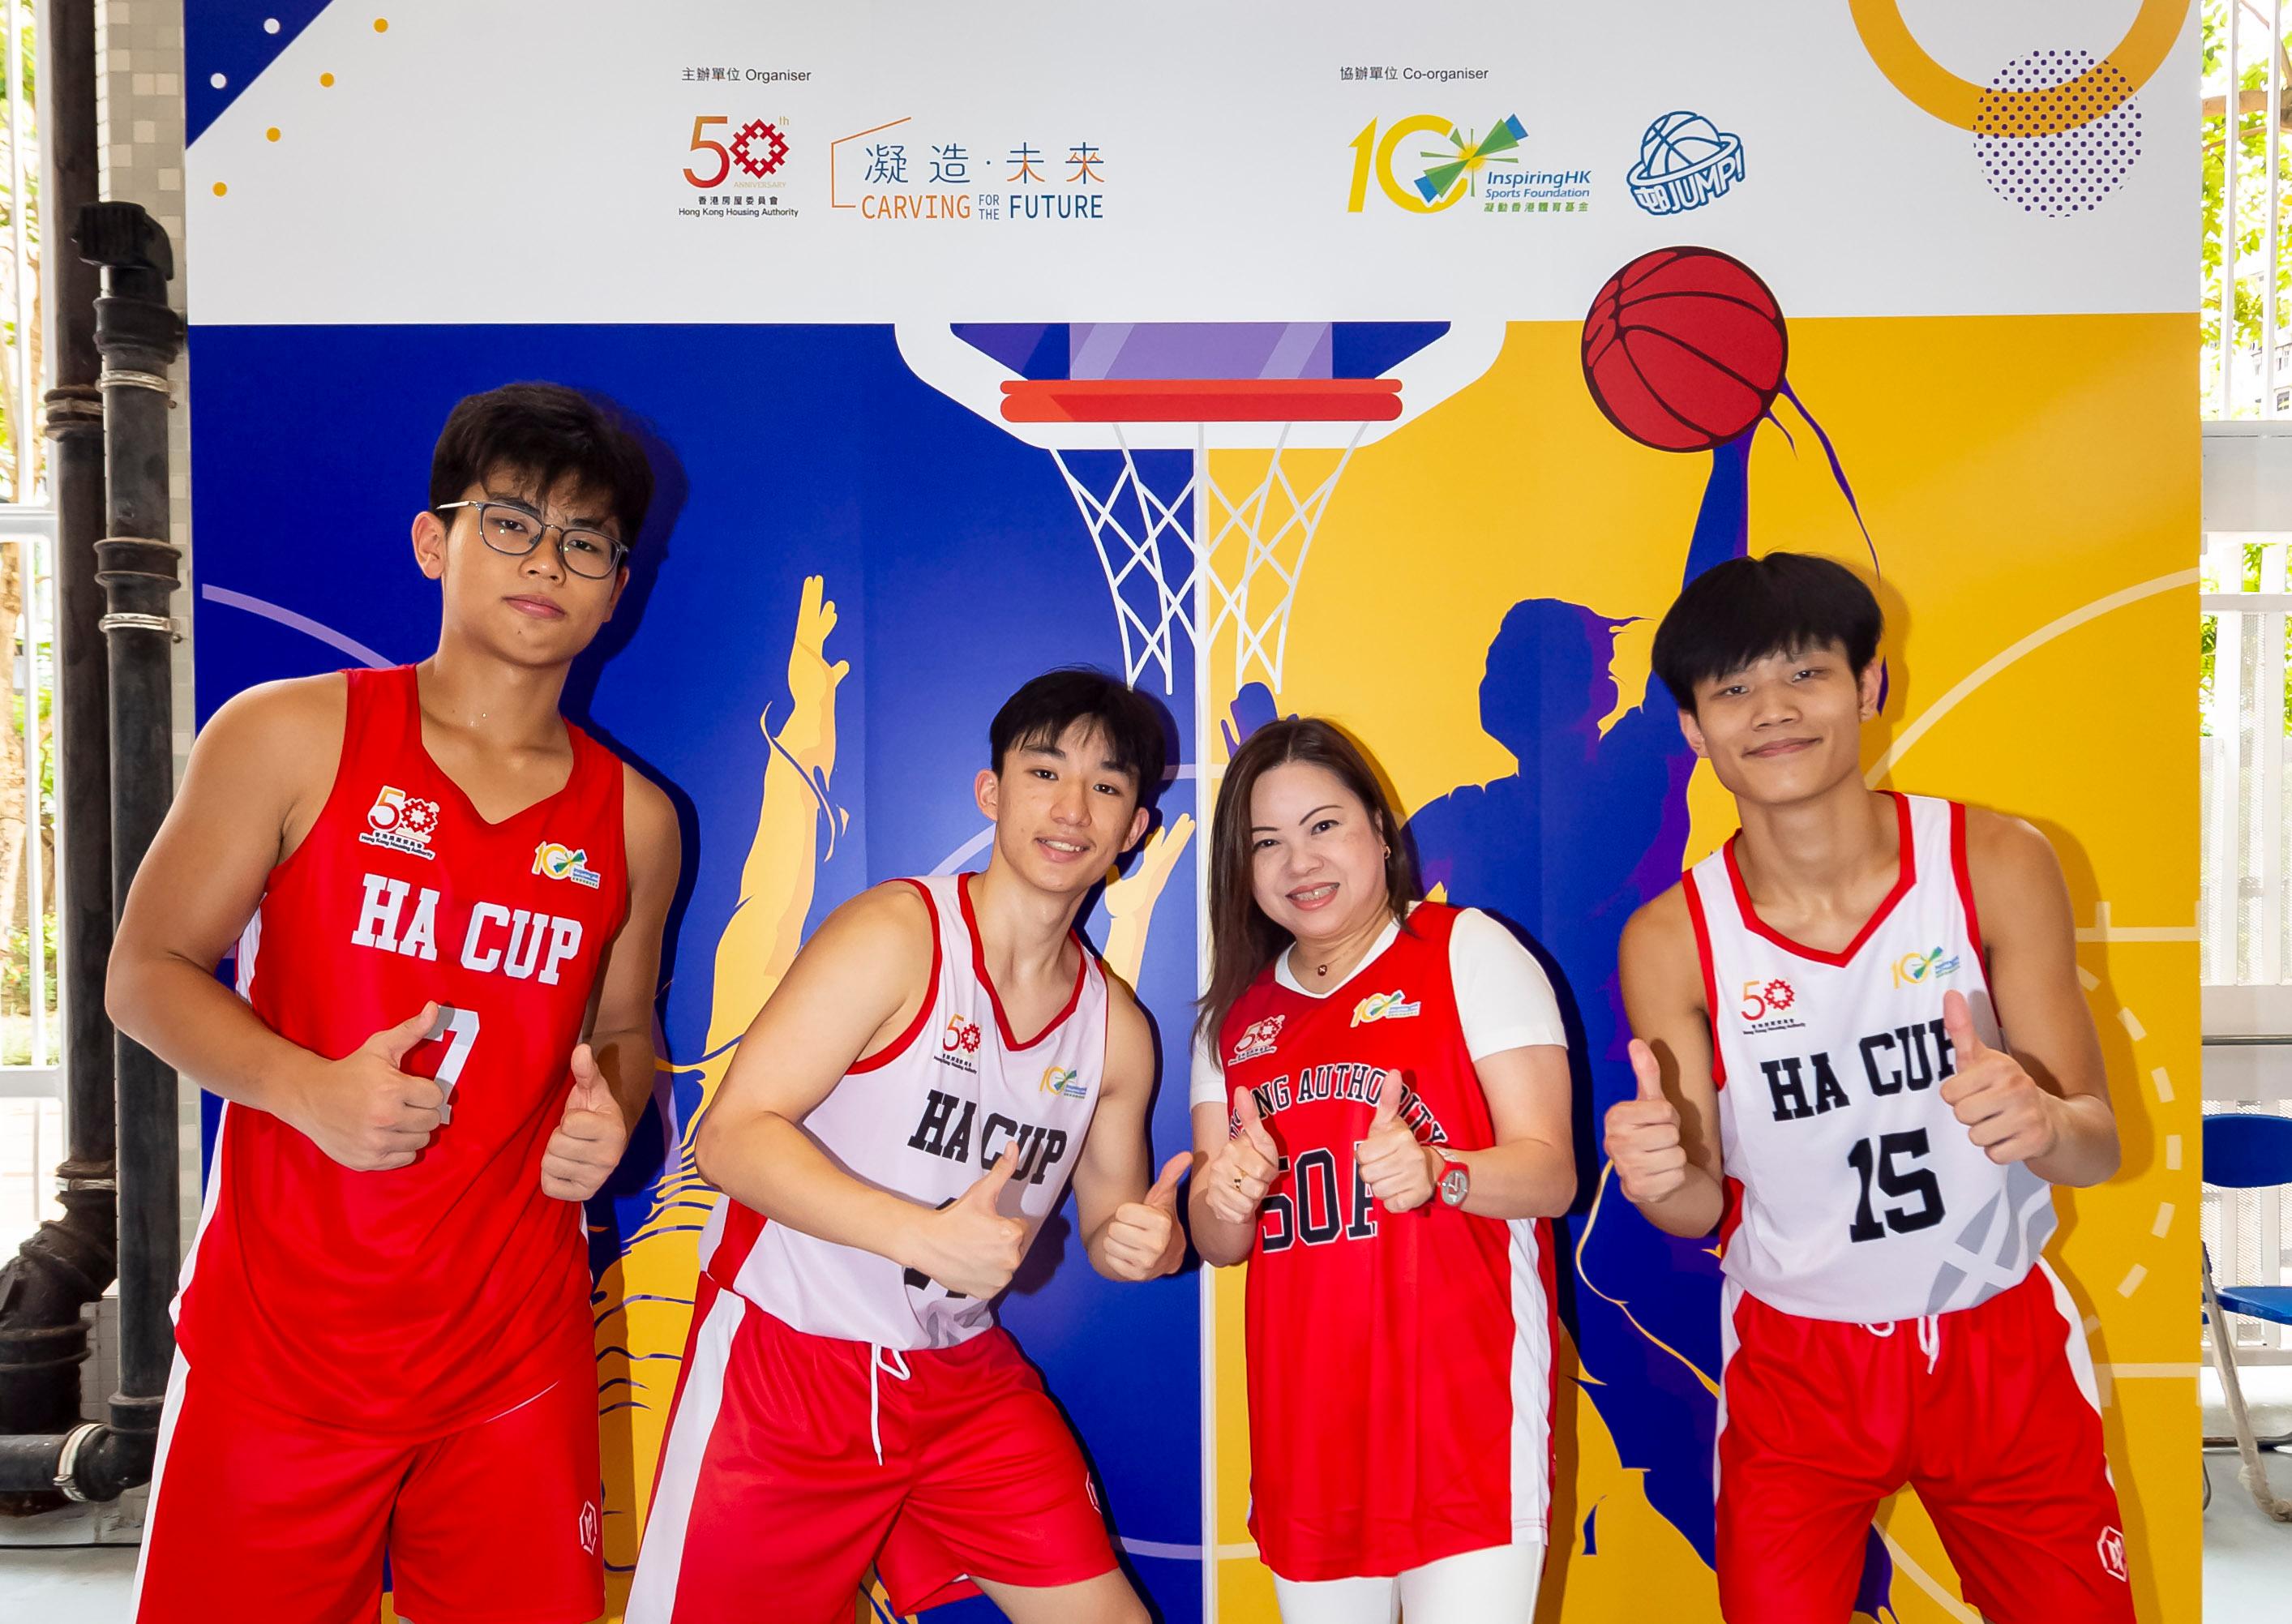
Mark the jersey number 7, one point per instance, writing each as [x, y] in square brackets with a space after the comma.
[457, 1028]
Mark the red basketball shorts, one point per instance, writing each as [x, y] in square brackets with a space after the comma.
[1988, 1412]
[791, 1461]
[257, 1513]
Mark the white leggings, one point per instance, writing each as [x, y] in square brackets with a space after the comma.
[1496, 1585]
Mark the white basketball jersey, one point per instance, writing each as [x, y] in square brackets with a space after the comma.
[1855, 1193]
[924, 1119]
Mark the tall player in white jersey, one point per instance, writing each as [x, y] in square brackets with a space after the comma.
[1825, 1079]
[901, 1119]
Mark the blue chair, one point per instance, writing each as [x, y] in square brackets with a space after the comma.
[2245, 1152]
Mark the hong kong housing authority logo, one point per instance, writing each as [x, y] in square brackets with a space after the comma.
[1258, 1038]
[400, 823]
[1685, 162]
[1766, 1005]
[957, 1043]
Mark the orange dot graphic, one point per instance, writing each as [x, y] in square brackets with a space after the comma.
[382, 25]
[326, 78]
[271, 134]
[219, 189]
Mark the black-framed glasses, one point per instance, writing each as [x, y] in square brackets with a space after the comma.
[516, 531]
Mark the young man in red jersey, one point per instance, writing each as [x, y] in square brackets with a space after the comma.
[1823, 1079]
[448, 903]
[899, 1120]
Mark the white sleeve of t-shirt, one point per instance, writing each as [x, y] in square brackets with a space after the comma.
[1504, 999]
[1208, 1087]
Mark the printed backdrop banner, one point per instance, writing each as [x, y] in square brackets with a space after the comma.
[1296, 358]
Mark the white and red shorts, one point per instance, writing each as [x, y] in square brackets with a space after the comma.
[793, 1461]
[258, 1513]
[1988, 1412]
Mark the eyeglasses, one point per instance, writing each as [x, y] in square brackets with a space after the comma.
[516, 531]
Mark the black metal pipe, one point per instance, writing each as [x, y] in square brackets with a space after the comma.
[139, 337]
[91, 1462]
[69, 1260]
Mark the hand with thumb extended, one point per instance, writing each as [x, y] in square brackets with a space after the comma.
[1643, 1137]
[1143, 1239]
[1396, 1169]
[1235, 1179]
[2003, 1110]
[968, 1245]
[363, 1110]
[589, 1138]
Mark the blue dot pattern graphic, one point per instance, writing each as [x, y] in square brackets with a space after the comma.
[2070, 171]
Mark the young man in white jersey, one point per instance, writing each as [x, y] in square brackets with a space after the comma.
[1825, 1082]
[901, 1119]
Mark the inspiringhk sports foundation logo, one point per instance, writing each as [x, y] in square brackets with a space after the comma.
[1066, 1082]
[553, 861]
[1916, 969]
[1384, 1007]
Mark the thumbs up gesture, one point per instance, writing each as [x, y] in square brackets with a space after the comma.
[968, 1245]
[1143, 1240]
[1643, 1140]
[2004, 1110]
[363, 1110]
[590, 1136]
[1396, 1170]
[1236, 1178]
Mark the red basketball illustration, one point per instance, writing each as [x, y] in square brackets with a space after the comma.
[1684, 348]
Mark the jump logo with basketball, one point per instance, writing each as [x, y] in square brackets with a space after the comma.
[1685, 162]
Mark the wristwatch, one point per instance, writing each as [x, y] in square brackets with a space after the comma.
[1456, 1181]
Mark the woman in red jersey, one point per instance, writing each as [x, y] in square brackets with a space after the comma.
[1381, 1091]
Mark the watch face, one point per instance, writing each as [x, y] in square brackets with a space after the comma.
[1454, 1184]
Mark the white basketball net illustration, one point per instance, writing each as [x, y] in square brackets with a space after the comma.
[1158, 551]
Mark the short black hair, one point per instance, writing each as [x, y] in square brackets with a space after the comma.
[1046, 707]
[1738, 613]
[548, 433]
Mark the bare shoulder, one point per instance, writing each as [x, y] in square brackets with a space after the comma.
[648, 816]
[889, 926]
[1659, 953]
[285, 734]
[1661, 927]
[2000, 845]
[1129, 1034]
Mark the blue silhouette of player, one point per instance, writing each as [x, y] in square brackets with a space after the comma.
[1590, 827]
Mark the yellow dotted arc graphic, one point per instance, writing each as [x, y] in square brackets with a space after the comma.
[2095, 94]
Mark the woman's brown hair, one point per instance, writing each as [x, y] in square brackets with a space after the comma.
[1242, 939]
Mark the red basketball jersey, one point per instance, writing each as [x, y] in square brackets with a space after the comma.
[1399, 1365]
[434, 1295]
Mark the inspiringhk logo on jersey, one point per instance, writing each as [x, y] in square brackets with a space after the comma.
[1767, 1004]
[399, 822]
[957, 1042]
[2111, 1548]
[1384, 1007]
[1066, 1082]
[1916, 969]
[553, 861]
[1257, 1039]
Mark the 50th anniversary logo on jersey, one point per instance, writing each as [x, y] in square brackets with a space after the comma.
[400, 823]
[1257, 1039]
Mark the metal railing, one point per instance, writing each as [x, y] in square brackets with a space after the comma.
[2248, 84]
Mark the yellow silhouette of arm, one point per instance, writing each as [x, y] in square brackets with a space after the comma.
[1130, 902]
[777, 882]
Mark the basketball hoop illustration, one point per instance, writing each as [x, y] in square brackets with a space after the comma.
[1138, 418]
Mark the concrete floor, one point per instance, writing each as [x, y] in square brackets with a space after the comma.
[68, 1585]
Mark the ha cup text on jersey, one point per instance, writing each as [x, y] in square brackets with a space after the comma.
[1893, 1061]
[517, 942]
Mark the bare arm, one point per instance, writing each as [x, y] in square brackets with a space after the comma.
[258, 778]
[1131, 1231]
[2060, 1122]
[1665, 1143]
[1530, 1170]
[628, 977]
[851, 991]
